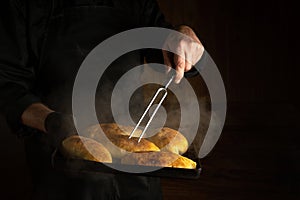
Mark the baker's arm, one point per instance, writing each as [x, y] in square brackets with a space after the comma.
[35, 116]
[189, 50]
[57, 126]
[16, 74]
[18, 102]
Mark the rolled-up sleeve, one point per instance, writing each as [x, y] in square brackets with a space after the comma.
[16, 75]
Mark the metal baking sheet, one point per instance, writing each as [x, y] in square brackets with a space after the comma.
[78, 167]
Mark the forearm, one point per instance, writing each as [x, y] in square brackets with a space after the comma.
[34, 116]
[58, 126]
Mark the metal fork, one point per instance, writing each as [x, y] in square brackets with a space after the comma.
[162, 89]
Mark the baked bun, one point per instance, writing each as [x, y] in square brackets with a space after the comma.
[85, 148]
[159, 159]
[132, 145]
[170, 140]
[113, 128]
[109, 129]
[184, 162]
[117, 142]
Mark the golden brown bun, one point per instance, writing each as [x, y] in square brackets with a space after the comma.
[85, 148]
[159, 159]
[184, 162]
[170, 140]
[113, 128]
[117, 141]
[109, 129]
[132, 145]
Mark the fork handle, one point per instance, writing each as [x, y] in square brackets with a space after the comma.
[192, 73]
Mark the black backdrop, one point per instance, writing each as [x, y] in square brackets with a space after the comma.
[255, 45]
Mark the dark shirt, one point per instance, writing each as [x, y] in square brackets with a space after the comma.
[42, 45]
[39, 60]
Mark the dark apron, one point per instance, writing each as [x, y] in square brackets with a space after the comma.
[73, 31]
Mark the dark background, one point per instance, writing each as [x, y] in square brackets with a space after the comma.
[255, 45]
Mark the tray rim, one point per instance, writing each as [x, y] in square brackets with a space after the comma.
[82, 167]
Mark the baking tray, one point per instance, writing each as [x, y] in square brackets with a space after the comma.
[83, 168]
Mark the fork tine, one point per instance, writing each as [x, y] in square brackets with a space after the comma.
[164, 89]
[154, 112]
[145, 112]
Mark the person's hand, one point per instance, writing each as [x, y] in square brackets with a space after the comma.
[59, 127]
[188, 48]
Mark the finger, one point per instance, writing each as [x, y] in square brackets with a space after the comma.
[180, 67]
[188, 60]
[167, 61]
[199, 49]
[188, 66]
